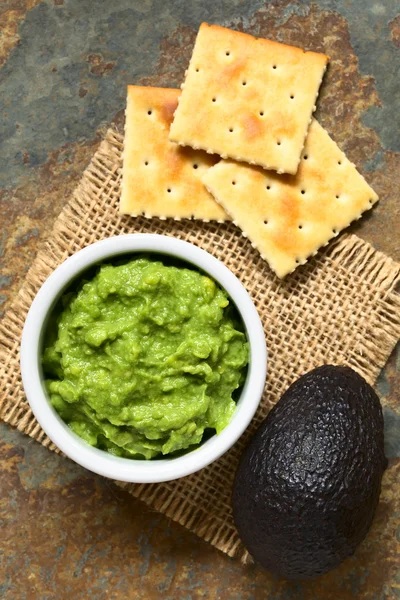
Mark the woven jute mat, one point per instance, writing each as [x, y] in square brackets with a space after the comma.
[340, 308]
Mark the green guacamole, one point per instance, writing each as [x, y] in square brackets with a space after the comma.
[144, 358]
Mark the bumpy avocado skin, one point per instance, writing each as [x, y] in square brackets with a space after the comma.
[308, 484]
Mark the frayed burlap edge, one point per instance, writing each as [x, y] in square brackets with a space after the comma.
[92, 214]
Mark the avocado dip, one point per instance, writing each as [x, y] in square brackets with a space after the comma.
[144, 357]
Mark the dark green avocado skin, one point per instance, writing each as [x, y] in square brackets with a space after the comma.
[308, 484]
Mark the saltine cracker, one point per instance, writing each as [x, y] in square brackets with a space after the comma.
[159, 178]
[289, 217]
[248, 99]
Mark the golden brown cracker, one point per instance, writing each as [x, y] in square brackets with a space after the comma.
[159, 178]
[248, 99]
[289, 217]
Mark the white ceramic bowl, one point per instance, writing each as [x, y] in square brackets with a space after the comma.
[99, 461]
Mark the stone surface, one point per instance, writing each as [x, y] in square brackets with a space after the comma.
[64, 65]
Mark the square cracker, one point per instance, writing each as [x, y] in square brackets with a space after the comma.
[160, 178]
[289, 217]
[248, 99]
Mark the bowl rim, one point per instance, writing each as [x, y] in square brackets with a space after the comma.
[99, 461]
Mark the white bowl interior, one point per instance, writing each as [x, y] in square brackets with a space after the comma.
[100, 461]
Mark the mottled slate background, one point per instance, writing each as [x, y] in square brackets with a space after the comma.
[64, 65]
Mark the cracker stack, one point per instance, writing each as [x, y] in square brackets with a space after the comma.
[240, 142]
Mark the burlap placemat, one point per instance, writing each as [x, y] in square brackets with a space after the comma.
[340, 308]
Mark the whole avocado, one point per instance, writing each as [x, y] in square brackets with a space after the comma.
[308, 484]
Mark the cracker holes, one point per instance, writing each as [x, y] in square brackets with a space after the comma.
[146, 162]
[300, 226]
[230, 129]
[266, 222]
[303, 192]
[339, 162]
[334, 231]
[278, 142]
[244, 82]
[370, 202]
[261, 113]
[274, 66]
[169, 190]
[214, 99]
[337, 196]
[268, 187]
[233, 182]
[305, 157]
[292, 96]
[149, 112]
[197, 69]
[227, 53]
[297, 261]
[195, 166]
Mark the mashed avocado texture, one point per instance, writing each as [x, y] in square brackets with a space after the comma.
[144, 358]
